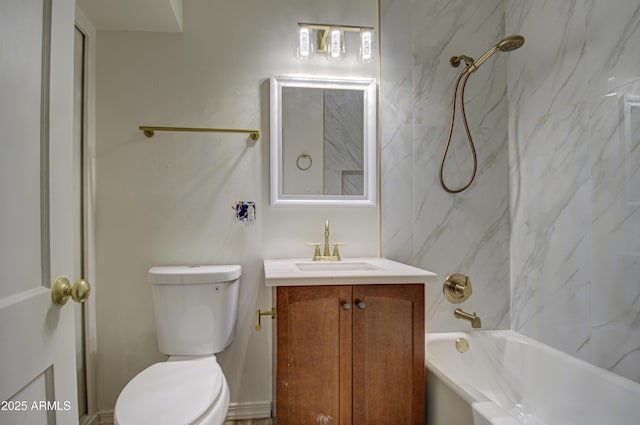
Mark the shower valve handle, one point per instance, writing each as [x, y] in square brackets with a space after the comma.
[457, 288]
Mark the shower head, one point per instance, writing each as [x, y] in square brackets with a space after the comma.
[507, 44]
[510, 42]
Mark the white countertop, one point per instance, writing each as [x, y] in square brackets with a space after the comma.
[349, 271]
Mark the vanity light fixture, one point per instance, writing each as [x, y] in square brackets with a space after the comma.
[330, 40]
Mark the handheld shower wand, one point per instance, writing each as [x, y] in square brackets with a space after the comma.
[507, 44]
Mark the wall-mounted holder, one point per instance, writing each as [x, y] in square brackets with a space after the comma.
[244, 211]
[457, 288]
[150, 130]
[260, 313]
[304, 161]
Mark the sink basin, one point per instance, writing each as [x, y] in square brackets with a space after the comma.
[349, 271]
[318, 266]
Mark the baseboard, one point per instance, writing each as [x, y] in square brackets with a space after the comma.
[90, 420]
[252, 410]
[103, 417]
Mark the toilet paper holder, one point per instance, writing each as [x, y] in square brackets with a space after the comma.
[260, 313]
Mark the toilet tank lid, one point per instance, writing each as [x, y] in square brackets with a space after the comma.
[194, 275]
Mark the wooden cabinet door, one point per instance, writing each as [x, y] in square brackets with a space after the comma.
[388, 355]
[313, 355]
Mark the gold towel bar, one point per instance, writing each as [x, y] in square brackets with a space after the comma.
[149, 130]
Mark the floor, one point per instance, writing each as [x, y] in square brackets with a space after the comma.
[250, 422]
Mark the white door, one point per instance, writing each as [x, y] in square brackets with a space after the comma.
[37, 348]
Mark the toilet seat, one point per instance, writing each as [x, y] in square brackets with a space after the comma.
[174, 392]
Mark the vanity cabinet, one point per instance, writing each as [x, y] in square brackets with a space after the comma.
[350, 355]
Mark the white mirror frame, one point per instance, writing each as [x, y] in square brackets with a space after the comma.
[368, 87]
[631, 106]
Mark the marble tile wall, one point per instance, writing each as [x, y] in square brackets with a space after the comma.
[575, 245]
[421, 223]
[550, 195]
[549, 230]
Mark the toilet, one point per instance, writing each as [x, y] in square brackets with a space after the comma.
[195, 311]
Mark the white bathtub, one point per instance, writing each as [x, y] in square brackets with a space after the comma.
[507, 379]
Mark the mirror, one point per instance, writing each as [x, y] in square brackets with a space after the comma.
[323, 141]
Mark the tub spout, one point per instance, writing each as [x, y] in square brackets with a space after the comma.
[473, 318]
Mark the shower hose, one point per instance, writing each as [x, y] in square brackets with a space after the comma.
[464, 73]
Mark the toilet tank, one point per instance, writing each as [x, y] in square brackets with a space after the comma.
[195, 307]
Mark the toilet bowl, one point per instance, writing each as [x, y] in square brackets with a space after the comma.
[195, 310]
[176, 392]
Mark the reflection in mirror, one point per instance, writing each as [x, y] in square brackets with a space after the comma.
[327, 123]
[323, 142]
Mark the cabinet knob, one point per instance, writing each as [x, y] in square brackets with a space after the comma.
[361, 305]
[346, 306]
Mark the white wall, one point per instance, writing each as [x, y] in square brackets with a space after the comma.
[167, 200]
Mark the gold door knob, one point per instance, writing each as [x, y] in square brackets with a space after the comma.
[62, 290]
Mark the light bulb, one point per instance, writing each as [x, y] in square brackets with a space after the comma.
[304, 47]
[366, 45]
[335, 48]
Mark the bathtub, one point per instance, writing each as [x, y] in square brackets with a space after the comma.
[508, 379]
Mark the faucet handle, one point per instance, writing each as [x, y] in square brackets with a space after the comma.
[457, 288]
[336, 252]
[316, 253]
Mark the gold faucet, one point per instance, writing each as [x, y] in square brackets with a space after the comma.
[473, 318]
[326, 255]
